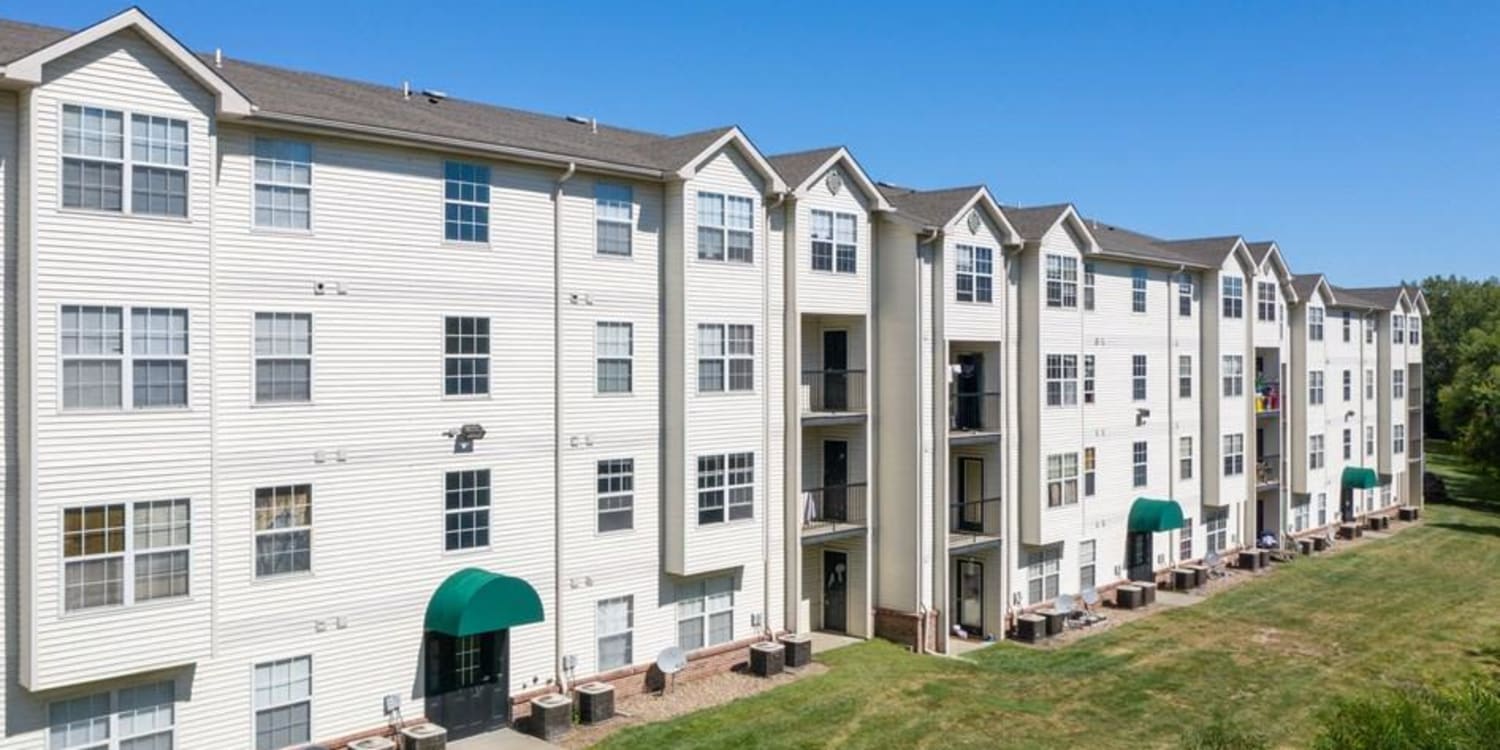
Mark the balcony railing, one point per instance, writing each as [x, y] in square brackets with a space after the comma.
[974, 412]
[833, 508]
[974, 521]
[1267, 471]
[833, 391]
[1267, 397]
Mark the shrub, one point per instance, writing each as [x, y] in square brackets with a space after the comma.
[1460, 717]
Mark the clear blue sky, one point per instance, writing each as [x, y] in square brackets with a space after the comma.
[1364, 137]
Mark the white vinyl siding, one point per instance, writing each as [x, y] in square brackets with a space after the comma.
[283, 703]
[283, 184]
[283, 357]
[283, 530]
[614, 218]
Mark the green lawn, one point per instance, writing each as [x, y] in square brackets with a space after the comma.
[1422, 606]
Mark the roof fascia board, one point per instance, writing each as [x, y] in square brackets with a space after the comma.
[231, 103]
[982, 198]
[1070, 216]
[842, 156]
[747, 149]
[1148, 260]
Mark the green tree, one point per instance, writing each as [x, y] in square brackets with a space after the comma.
[1469, 403]
[1457, 307]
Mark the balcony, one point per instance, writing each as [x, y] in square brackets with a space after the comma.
[1267, 472]
[833, 396]
[1267, 399]
[974, 417]
[833, 512]
[972, 524]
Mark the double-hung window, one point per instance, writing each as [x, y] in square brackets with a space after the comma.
[1062, 479]
[1088, 378]
[614, 631]
[1139, 465]
[1398, 384]
[1184, 376]
[1138, 377]
[1234, 375]
[159, 161]
[1348, 326]
[283, 703]
[1185, 540]
[93, 158]
[726, 228]
[1234, 455]
[834, 243]
[1185, 458]
[1372, 327]
[726, 357]
[283, 530]
[1315, 387]
[616, 492]
[95, 351]
[1369, 441]
[1090, 471]
[142, 717]
[1088, 285]
[1398, 439]
[1086, 557]
[110, 558]
[466, 509]
[1062, 379]
[283, 184]
[974, 273]
[1062, 281]
[1348, 385]
[1301, 513]
[1398, 329]
[614, 352]
[1043, 567]
[1348, 444]
[614, 218]
[705, 613]
[1315, 457]
[1138, 279]
[726, 487]
[1234, 297]
[466, 356]
[1265, 301]
[1216, 524]
[1185, 296]
[1315, 323]
[1322, 508]
[283, 357]
[1369, 384]
[466, 202]
[1414, 330]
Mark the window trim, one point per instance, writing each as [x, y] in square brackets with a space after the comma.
[1316, 318]
[488, 508]
[310, 187]
[127, 556]
[1090, 394]
[1065, 364]
[1232, 306]
[488, 205]
[628, 632]
[1184, 376]
[312, 730]
[835, 247]
[974, 274]
[613, 494]
[1265, 307]
[1232, 384]
[723, 228]
[256, 534]
[1065, 282]
[628, 360]
[127, 358]
[1317, 452]
[112, 698]
[1185, 296]
[1041, 564]
[705, 616]
[1090, 284]
[1140, 280]
[1233, 455]
[1316, 388]
[725, 487]
[726, 357]
[127, 164]
[1140, 378]
[628, 222]
[1185, 459]
[1140, 464]
[488, 357]
[1062, 480]
[312, 343]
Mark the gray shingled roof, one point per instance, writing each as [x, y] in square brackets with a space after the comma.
[1259, 251]
[796, 168]
[1129, 244]
[1207, 251]
[310, 95]
[1380, 297]
[1304, 284]
[1031, 222]
[934, 207]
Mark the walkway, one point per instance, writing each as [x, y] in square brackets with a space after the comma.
[500, 739]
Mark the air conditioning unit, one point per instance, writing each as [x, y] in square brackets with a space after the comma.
[424, 737]
[373, 743]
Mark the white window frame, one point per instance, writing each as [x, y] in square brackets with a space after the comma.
[1265, 304]
[1316, 456]
[1315, 320]
[736, 344]
[1088, 379]
[1348, 385]
[1140, 463]
[1216, 526]
[1062, 379]
[1348, 326]
[725, 487]
[256, 707]
[482, 186]
[1398, 439]
[475, 502]
[132, 552]
[614, 485]
[127, 356]
[723, 229]
[1301, 514]
[1185, 296]
[1185, 540]
[1315, 391]
[702, 602]
[1398, 329]
[1369, 440]
[1233, 293]
[1322, 509]
[1090, 471]
[274, 529]
[272, 356]
[1185, 457]
[834, 246]
[116, 718]
[1414, 330]
[1062, 281]
[614, 207]
[976, 263]
[1184, 376]
[1139, 386]
[1234, 454]
[1234, 375]
[1348, 444]
[1062, 479]
[1398, 383]
[279, 186]
[1043, 573]
[603, 631]
[1087, 557]
[1139, 279]
[1090, 280]
[608, 351]
[126, 161]
[478, 355]
[1369, 385]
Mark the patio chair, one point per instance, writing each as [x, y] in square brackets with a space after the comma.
[1217, 568]
[1090, 597]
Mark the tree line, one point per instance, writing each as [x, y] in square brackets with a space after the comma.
[1461, 366]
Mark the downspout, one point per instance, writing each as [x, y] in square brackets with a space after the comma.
[765, 427]
[557, 427]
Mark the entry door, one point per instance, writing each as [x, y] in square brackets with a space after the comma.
[970, 495]
[1139, 557]
[467, 682]
[836, 370]
[970, 595]
[835, 590]
[836, 480]
[1346, 504]
[967, 385]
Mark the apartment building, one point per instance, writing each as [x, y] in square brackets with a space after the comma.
[330, 404]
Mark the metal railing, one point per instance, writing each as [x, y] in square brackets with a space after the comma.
[1268, 397]
[1267, 471]
[834, 508]
[974, 412]
[975, 520]
[834, 390]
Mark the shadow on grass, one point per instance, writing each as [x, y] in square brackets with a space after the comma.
[1469, 528]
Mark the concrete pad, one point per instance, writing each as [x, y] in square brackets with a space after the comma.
[500, 739]
[1174, 599]
[822, 641]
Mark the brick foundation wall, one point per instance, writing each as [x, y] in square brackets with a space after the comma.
[907, 629]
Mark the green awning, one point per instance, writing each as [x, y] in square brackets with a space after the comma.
[1147, 514]
[476, 601]
[1360, 478]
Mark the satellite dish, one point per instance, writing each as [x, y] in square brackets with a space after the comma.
[671, 660]
[1064, 604]
[1211, 560]
[1090, 596]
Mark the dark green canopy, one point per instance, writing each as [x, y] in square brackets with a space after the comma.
[474, 601]
[1360, 478]
[1155, 515]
